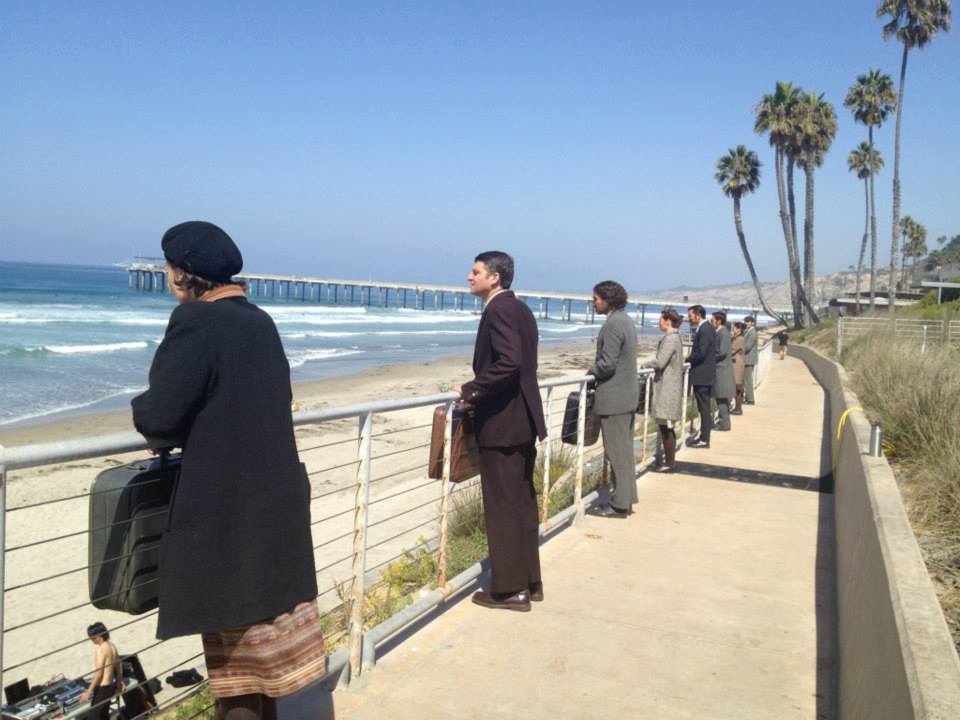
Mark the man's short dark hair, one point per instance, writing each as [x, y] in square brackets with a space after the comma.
[98, 629]
[750, 318]
[498, 262]
[612, 293]
[721, 316]
[698, 310]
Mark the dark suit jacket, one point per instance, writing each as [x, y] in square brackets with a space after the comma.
[239, 549]
[703, 355]
[504, 392]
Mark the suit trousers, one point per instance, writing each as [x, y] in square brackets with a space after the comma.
[748, 383]
[510, 511]
[702, 393]
[723, 413]
[618, 448]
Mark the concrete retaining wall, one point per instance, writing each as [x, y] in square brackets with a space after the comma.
[895, 656]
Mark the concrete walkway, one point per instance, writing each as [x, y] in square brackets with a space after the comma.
[715, 600]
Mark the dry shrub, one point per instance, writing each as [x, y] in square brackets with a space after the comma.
[916, 398]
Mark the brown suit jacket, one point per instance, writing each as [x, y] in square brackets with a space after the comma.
[504, 392]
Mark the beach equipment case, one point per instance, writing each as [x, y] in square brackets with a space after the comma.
[129, 511]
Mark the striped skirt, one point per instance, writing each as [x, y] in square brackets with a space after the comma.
[275, 658]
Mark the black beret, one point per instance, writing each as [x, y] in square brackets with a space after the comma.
[203, 249]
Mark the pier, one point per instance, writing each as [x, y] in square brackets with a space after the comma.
[568, 307]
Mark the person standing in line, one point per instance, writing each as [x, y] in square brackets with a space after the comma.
[617, 394]
[667, 403]
[724, 387]
[703, 371]
[508, 419]
[236, 563]
[737, 346]
[750, 356]
[107, 679]
[783, 337]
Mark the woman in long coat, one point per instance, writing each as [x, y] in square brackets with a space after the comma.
[667, 402]
[724, 389]
[738, 348]
[236, 564]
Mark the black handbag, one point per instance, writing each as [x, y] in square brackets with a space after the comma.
[591, 425]
[129, 512]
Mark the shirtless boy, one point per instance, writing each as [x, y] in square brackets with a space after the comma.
[107, 664]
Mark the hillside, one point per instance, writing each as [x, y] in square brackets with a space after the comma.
[777, 293]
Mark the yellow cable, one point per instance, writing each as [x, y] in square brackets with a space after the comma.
[836, 445]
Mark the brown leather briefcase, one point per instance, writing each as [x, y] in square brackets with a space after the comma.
[464, 456]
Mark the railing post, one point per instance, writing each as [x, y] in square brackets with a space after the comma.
[683, 408]
[3, 552]
[923, 339]
[581, 431]
[445, 496]
[646, 417]
[364, 454]
[547, 451]
[840, 339]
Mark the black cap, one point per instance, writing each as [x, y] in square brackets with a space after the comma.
[203, 249]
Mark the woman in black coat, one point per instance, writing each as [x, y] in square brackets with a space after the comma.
[236, 562]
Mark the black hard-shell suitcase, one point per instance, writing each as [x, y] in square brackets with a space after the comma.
[591, 426]
[129, 509]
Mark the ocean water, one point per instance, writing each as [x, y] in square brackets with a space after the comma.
[78, 339]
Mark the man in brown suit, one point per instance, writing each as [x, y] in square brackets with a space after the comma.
[508, 420]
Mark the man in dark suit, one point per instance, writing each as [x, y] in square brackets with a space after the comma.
[508, 420]
[703, 370]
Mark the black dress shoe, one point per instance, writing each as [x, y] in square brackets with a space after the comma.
[518, 602]
[663, 469]
[536, 592]
[609, 511]
[700, 445]
[736, 412]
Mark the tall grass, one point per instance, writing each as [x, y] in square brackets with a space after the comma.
[916, 399]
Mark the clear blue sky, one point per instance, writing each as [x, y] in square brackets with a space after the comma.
[395, 141]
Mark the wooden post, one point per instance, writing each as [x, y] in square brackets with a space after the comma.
[581, 428]
[445, 489]
[646, 415]
[547, 452]
[361, 503]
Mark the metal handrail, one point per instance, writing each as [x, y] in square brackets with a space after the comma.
[13, 458]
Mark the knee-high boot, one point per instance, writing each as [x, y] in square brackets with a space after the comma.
[669, 440]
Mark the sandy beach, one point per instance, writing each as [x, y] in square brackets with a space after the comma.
[50, 578]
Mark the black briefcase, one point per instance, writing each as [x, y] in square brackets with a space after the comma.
[642, 395]
[129, 510]
[591, 426]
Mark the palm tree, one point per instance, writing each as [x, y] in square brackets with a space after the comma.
[907, 232]
[775, 114]
[866, 162]
[816, 128]
[915, 23]
[872, 99]
[917, 247]
[738, 173]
